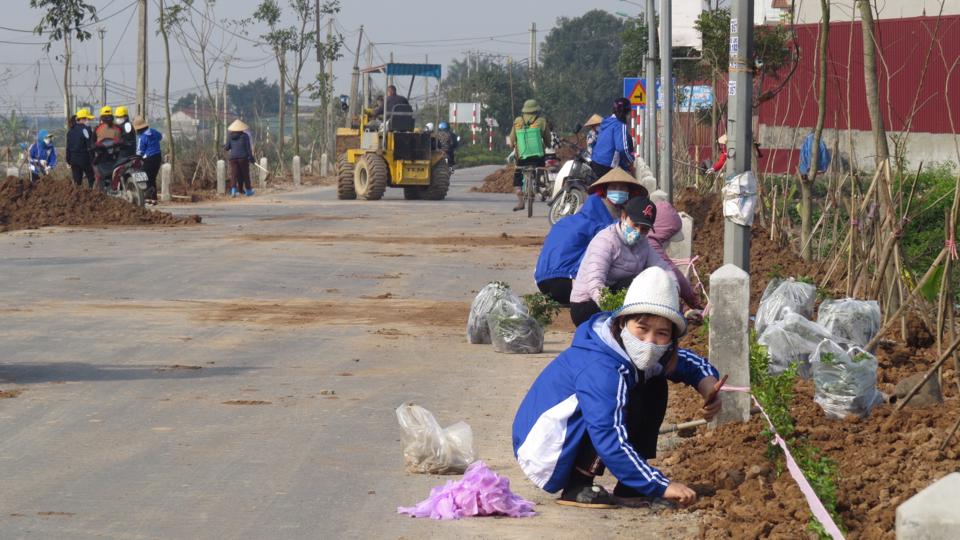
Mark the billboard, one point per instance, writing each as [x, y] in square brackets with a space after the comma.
[465, 113]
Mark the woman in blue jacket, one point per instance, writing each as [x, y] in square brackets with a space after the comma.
[568, 239]
[601, 402]
[148, 147]
[43, 154]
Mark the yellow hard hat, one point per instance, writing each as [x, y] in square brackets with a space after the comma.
[84, 114]
[121, 111]
[106, 111]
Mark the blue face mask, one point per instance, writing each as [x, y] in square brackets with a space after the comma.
[618, 197]
[630, 235]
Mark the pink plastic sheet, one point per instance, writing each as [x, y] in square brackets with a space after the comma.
[481, 492]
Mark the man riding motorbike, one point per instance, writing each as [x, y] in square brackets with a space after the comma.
[128, 135]
[528, 147]
[447, 141]
[107, 145]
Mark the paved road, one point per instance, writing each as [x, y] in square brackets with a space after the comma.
[238, 379]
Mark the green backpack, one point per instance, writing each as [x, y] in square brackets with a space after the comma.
[529, 143]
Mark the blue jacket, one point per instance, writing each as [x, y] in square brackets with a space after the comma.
[585, 391]
[148, 143]
[42, 151]
[568, 239]
[614, 147]
[806, 154]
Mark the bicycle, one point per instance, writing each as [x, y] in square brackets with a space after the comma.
[534, 183]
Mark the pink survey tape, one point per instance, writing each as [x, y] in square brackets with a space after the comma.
[816, 507]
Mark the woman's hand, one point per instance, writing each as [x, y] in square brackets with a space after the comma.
[709, 388]
[680, 494]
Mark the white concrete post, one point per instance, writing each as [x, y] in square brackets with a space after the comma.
[166, 172]
[13, 171]
[324, 165]
[296, 171]
[221, 177]
[680, 246]
[932, 513]
[730, 338]
[263, 172]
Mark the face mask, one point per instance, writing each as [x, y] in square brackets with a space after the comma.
[646, 356]
[618, 197]
[630, 235]
[48, 141]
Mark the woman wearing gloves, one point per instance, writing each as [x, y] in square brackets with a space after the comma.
[601, 402]
[614, 257]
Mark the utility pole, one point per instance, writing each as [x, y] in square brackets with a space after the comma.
[426, 84]
[142, 60]
[389, 80]
[354, 82]
[367, 79]
[226, 70]
[533, 54]
[330, 126]
[736, 238]
[666, 87]
[316, 11]
[103, 76]
[651, 86]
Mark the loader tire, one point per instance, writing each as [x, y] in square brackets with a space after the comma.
[439, 182]
[345, 189]
[370, 177]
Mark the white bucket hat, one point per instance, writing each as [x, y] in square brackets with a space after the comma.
[655, 291]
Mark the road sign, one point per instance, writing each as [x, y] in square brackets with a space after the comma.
[635, 89]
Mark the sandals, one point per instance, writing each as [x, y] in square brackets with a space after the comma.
[588, 496]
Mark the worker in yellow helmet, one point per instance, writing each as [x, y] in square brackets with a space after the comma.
[128, 135]
[79, 145]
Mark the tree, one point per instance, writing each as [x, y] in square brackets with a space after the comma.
[580, 64]
[634, 52]
[870, 81]
[254, 99]
[328, 51]
[500, 88]
[806, 181]
[169, 16]
[279, 40]
[63, 19]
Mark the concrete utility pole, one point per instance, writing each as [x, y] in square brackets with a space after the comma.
[650, 111]
[389, 82]
[666, 87]
[142, 60]
[226, 71]
[354, 83]
[367, 81]
[103, 77]
[533, 54]
[736, 238]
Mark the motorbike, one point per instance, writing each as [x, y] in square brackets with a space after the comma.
[570, 186]
[124, 177]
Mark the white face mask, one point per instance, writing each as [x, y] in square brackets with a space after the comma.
[646, 356]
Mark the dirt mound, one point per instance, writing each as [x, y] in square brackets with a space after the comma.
[767, 259]
[500, 181]
[27, 206]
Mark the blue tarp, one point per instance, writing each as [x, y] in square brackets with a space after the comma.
[419, 70]
[806, 154]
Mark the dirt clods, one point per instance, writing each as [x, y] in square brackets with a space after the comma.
[499, 181]
[49, 203]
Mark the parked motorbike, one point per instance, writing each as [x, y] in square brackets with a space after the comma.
[570, 186]
[123, 178]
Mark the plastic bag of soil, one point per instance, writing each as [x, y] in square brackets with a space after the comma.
[515, 333]
[784, 296]
[429, 449]
[845, 380]
[792, 340]
[489, 297]
[856, 321]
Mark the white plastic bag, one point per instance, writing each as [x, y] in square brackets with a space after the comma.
[740, 198]
[792, 340]
[854, 320]
[429, 449]
[478, 331]
[845, 380]
[782, 297]
[516, 333]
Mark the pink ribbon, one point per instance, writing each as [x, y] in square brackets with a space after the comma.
[691, 264]
[816, 506]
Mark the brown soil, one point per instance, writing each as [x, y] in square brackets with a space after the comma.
[10, 394]
[499, 181]
[767, 259]
[246, 402]
[503, 240]
[27, 206]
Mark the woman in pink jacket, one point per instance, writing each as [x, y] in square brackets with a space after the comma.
[615, 256]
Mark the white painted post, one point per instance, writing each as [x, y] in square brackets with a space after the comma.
[324, 165]
[13, 171]
[932, 513]
[296, 171]
[166, 172]
[221, 177]
[730, 339]
[263, 172]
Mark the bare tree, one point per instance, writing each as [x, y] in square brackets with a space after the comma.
[279, 40]
[63, 19]
[170, 16]
[870, 81]
[807, 181]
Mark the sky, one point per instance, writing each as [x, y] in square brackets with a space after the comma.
[31, 78]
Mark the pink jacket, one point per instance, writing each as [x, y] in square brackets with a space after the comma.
[667, 224]
[609, 259]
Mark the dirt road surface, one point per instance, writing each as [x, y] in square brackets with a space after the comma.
[238, 379]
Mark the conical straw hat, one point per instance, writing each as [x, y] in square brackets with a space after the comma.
[594, 120]
[238, 125]
[617, 174]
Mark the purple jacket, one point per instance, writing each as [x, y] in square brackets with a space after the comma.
[608, 260]
[667, 224]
